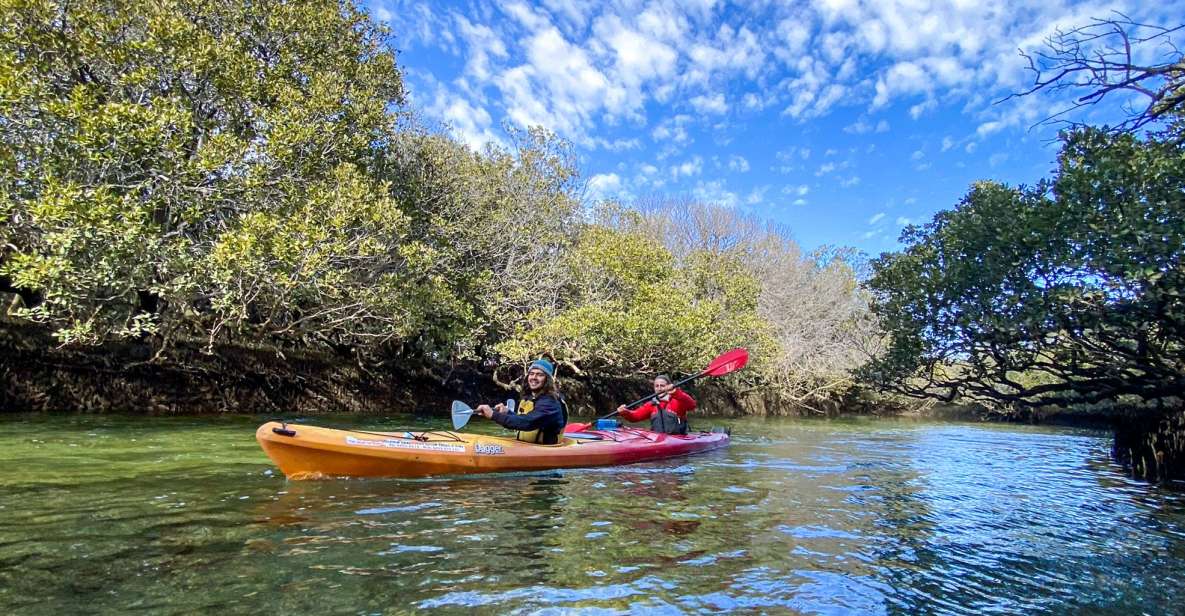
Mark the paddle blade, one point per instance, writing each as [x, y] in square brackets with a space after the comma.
[729, 361]
[510, 405]
[461, 414]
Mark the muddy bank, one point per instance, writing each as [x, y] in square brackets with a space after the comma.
[36, 376]
[1152, 447]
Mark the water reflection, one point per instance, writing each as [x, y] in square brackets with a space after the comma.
[872, 517]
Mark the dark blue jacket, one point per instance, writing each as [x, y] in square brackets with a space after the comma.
[548, 417]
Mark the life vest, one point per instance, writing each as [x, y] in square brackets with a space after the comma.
[667, 422]
[538, 436]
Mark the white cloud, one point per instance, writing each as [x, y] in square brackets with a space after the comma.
[850, 181]
[468, 122]
[576, 13]
[638, 56]
[801, 190]
[526, 16]
[754, 102]
[902, 78]
[603, 186]
[738, 163]
[902, 221]
[757, 195]
[987, 128]
[690, 167]
[860, 127]
[800, 202]
[791, 37]
[673, 130]
[876, 218]
[916, 111]
[917, 155]
[727, 50]
[709, 104]
[617, 145]
[485, 46]
[574, 65]
[829, 167]
[947, 143]
[792, 153]
[714, 192]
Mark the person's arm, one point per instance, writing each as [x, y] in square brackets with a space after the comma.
[642, 413]
[681, 402]
[545, 409]
[487, 411]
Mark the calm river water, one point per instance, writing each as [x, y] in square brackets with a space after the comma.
[183, 515]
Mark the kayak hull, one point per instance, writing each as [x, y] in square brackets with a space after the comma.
[310, 452]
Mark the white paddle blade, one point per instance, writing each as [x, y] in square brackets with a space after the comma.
[461, 414]
[510, 405]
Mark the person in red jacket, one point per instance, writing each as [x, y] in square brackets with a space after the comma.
[667, 412]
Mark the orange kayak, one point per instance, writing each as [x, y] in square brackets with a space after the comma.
[309, 452]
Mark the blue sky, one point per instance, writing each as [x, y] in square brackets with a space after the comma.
[843, 120]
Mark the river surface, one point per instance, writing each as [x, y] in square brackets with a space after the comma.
[103, 514]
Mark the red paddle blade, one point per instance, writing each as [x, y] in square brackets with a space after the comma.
[729, 361]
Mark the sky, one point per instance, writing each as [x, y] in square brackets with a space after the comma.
[841, 120]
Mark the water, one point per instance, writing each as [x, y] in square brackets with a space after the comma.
[167, 515]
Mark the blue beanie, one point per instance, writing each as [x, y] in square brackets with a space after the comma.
[543, 365]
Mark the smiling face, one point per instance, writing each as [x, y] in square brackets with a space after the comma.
[661, 385]
[536, 379]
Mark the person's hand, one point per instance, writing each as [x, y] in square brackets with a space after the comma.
[622, 409]
[485, 411]
[500, 407]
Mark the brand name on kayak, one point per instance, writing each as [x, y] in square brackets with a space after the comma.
[488, 449]
[398, 444]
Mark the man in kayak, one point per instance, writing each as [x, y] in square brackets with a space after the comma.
[667, 412]
[541, 414]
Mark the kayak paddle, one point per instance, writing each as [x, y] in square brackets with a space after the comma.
[462, 412]
[726, 362]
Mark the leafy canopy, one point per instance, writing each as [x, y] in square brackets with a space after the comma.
[1066, 292]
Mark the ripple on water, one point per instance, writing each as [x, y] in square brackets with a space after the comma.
[829, 517]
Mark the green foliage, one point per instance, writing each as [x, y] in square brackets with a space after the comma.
[137, 134]
[1070, 291]
[631, 308]
[496, 223]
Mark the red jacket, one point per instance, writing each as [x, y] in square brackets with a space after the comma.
[678, 403]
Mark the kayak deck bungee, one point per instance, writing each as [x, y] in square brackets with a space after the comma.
[310, 452]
